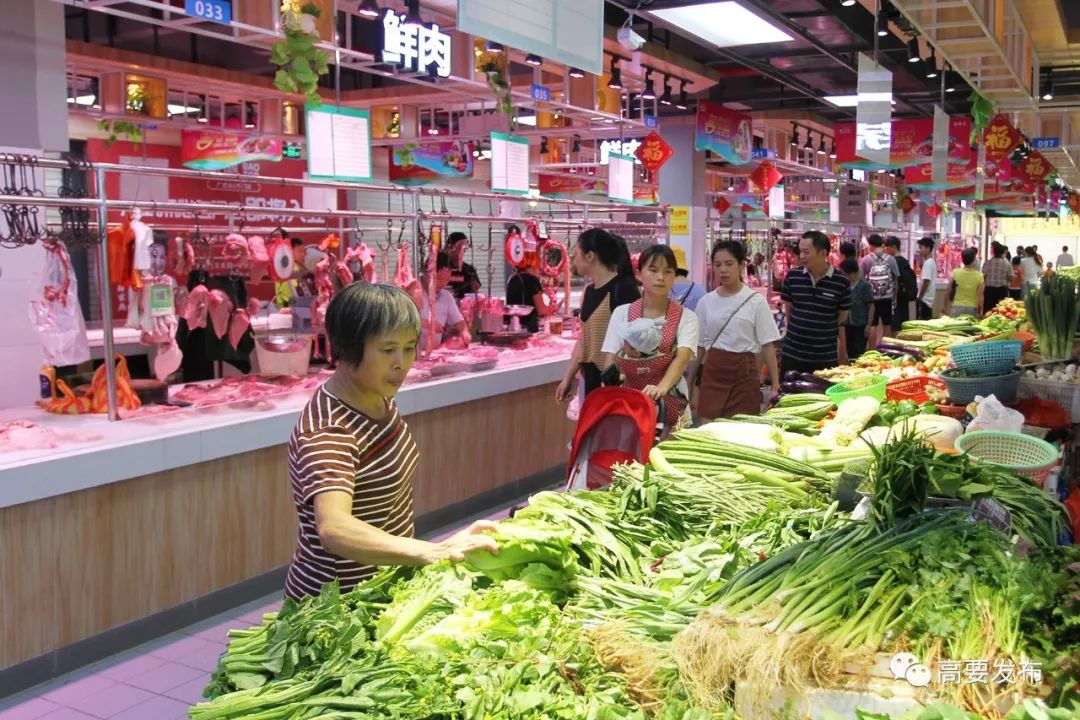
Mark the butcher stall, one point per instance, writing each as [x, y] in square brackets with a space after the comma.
[131, 514]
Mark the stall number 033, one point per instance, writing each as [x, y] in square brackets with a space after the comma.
[219, 11]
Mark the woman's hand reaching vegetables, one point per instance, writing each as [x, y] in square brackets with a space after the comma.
[474, 537]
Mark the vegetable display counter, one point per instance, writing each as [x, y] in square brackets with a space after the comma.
[124, 531]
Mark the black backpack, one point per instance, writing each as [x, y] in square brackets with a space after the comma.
[909, 284]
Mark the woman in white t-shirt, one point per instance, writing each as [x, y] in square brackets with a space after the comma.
[659, 375]
[737, 335]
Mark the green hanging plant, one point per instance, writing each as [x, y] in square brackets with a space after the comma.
[500, 88]
[300, 63]
[981, 108]
[116, 128]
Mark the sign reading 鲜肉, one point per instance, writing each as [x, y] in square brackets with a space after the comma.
[414, 47]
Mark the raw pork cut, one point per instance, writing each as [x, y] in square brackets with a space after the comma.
[238, 325]
[198, 304]
[404, 277]
[260, 258]
[220, 309]
[24, 435]
[236, 248]
[362, 255]
[167, 361]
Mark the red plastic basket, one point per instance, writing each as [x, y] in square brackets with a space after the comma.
[912, 388]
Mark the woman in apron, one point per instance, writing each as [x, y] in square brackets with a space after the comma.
[658, 374]
[603, 259]
[737, 334]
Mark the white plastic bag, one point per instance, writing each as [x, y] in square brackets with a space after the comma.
[992, 415]
[55, 312]
[574, 409]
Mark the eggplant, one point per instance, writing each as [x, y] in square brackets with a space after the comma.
[814, 379]
[800, 386]
[792, 376]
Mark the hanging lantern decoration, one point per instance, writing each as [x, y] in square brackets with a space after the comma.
[934, 211]
[765, 177]
[1036, 167]
[721, 204]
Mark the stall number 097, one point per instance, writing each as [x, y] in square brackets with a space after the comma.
[210, 10]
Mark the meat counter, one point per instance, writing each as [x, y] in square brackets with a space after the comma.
[120, 532]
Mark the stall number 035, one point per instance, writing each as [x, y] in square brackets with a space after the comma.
[219, 11]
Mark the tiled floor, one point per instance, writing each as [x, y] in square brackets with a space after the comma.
[156, 681]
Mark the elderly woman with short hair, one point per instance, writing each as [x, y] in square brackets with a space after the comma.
[351, 456]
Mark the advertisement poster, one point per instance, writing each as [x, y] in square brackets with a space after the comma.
[724, 132]
[560, 186]
[415, 164]
[912, 144]
[215, 150]
[920, 177]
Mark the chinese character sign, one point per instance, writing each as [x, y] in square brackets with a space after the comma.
[873, 114]
[654, 152]
[414, 47]
[1036, 166]
[1000, 138]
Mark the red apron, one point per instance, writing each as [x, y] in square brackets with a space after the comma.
[640, 373]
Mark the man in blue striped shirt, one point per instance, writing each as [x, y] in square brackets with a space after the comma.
[816, 301]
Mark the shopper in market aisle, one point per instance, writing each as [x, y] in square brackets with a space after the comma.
[997, 272]
[1065, 259]
[675, 327]
[861, 316]
[816, 300]
[907, 284]
[924, 302]
[463, 276]
[525, 288]
[882, 274]
[352, 457]
[966, 288]
[1032, 269]
[1016, 280]
[604, 260]
[686, 291]
[737, 336]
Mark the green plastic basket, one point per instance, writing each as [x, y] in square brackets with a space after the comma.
[987, 358]
[1023, 454]
[963, 390]
[874, 388]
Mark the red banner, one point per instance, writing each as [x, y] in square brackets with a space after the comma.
[921, 177]
[1000, 138]
[560, 186]
[216, 150]
[912, 143]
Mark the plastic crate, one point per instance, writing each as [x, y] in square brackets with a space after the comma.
[912, 388]
[1067, 395]
[988, 358]
[962, 390]
[1023, 454]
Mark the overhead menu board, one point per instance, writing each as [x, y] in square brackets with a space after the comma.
[339, 143]
[509, 164]
[620, 178]
[566, 31]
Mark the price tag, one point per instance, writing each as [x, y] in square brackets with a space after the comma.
[219, 11]
[161, 301]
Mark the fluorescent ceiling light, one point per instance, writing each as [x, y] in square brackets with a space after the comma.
[526, 120]
[182, 109]
[853, 100]
[723, 24]
[84, 100]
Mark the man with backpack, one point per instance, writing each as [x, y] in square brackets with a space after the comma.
[908, 289]
[883, 275]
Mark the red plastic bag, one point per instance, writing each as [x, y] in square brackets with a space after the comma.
[1043, 413]
[1072, 505]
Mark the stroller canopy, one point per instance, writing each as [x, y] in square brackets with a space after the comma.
[616, 425]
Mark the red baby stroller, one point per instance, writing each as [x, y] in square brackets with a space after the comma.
[616, 425]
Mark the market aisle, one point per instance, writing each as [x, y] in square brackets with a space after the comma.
[159, 680]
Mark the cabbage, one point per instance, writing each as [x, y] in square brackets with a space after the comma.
[533, 551]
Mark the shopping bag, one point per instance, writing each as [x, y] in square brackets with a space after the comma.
[54, 309]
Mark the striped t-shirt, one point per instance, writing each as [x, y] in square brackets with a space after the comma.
[335, 447]
[812, 330]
